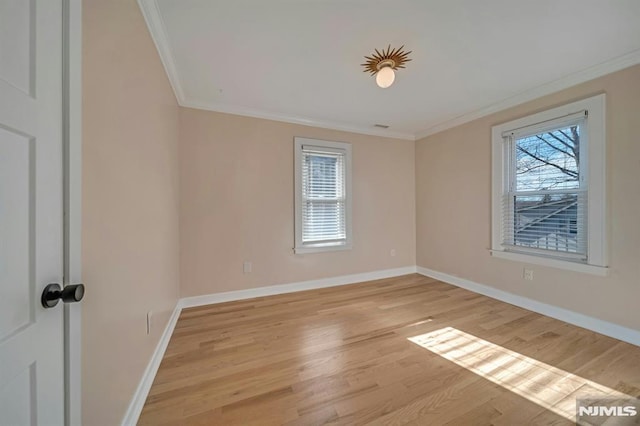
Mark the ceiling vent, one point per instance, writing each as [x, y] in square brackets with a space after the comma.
[382, 126]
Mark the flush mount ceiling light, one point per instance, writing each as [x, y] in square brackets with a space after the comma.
[382, 65]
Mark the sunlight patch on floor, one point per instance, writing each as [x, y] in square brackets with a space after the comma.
[548, 386]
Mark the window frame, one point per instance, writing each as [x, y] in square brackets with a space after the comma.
[321, 246]
[593, 177]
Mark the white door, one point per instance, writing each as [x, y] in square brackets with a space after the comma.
[31, 218]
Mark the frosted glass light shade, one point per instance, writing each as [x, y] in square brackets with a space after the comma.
[385, 77]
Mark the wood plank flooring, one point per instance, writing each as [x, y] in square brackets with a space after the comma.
[343, 355]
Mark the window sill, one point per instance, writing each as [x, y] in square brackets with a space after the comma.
[601, 271]
[320, 248]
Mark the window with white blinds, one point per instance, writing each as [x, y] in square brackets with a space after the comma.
[322, 195]
[548, 179]
[544, 207]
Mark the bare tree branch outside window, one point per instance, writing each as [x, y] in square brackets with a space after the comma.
[549, 160]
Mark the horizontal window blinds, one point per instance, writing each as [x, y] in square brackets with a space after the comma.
[323, 195]
[553, 223]
[544, 126]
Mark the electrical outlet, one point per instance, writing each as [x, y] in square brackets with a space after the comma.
[392, 252]
[247, 267]
[527, 274]
[149, 315]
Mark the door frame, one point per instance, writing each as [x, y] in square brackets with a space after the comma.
[72, 193]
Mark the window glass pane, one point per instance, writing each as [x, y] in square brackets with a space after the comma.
[548, 160]
[549, 222]
[323, 178]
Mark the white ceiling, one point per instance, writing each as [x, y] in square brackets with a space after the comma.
[299, 60]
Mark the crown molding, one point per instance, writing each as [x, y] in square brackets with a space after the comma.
[256, 113]
[156, 26]
[604, 68]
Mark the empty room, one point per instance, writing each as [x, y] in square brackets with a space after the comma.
[280, 212]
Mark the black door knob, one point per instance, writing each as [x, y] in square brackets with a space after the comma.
[53, 293]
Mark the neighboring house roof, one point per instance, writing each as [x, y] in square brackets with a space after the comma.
[553, 222]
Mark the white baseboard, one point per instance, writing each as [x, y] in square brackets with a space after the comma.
[603, 327]
[140, 396]
[209, 299]
[137, 403]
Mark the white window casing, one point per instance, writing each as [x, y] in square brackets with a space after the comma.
[322, 195]
[552, 210]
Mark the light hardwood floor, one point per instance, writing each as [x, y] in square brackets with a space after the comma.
[343, 355]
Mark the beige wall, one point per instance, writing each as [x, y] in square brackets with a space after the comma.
[236, 200]
[175, 199]
[453, 199]
[130, 205]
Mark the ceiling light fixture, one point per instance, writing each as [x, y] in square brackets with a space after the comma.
[382, 65]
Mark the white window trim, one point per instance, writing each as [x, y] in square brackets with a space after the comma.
[595, 177]
[299, 247]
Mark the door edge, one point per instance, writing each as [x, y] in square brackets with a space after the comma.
[72, 193]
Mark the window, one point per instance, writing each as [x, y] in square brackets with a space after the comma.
[323, 195]
[549, 187]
